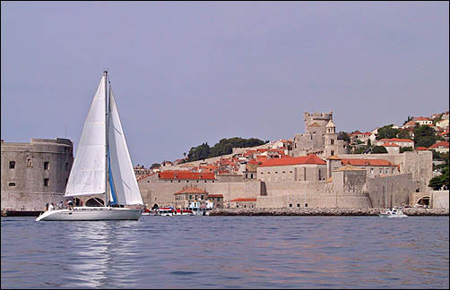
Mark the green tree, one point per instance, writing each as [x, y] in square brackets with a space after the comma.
[424, 136]
[404, 149]
[407, 120]
[360, 149]
[200, 152]
[155, 165]
[404, 134]
[225, 146]
[387, 132]
[343, 136]
[438, 181]
[379, 149]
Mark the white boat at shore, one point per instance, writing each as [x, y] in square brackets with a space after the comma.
[393, 213]
[170, 211]
[102, 166]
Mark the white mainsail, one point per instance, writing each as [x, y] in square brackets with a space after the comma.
[124, 184]
[88, 170]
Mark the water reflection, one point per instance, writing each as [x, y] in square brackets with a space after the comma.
[227, 252]
[101, 254]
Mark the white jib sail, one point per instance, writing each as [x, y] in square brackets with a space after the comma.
[125, 185]
[88, 170]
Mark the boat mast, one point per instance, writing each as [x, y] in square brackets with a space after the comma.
[105, 73]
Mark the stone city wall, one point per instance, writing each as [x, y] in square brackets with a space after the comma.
[390, 190]
[418, 163]
[440, 199]
[162, 193]
[310, 195]
[25, 201]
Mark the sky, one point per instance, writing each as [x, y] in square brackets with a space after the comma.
[185, 73]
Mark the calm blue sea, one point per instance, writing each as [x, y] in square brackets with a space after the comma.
[226, 252]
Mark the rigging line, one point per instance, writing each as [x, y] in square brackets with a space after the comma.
[109, 78]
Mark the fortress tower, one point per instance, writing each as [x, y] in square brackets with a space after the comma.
[34, 173]
[316, 123]
[320, 137]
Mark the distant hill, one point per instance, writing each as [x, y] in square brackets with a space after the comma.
[225, 146]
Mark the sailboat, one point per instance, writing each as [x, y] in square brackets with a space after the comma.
[102, 165]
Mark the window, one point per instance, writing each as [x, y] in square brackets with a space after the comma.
[12, 164]
[12, 184]
[306, 205]
[67, 165]
[290, 205]
[332, 141]
[46, 164]
[298, 205]
[46, 182]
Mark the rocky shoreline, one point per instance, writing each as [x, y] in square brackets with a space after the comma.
[323, 212]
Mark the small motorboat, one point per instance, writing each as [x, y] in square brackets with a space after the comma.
[393, 213]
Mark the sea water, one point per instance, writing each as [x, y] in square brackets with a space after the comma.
[226, 252]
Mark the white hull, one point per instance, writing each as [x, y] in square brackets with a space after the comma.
[91, 214]
[392, 216]
[395, 213]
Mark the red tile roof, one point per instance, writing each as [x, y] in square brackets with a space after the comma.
[366, 162]
[145, 176]
[410, 124]
[261, 158]
[191, 190]
[442, 144]
[389, 144]
[396, 140]
[421, 148]
[243, 199]
[421, 119]
[215, 195]
[181, 174]
[252, 161]
[310, 159]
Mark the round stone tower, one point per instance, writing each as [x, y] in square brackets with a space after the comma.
[34, 173]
